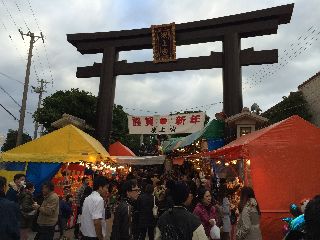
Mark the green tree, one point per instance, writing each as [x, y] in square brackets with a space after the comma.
[294, 104]
[83, 104]
[11, 140]
[78, 103]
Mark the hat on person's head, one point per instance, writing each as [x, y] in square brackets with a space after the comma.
[180, 193]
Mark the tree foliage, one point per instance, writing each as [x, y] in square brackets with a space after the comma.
[83, 104]
[11, 140]
[78, 103]
[294, 104]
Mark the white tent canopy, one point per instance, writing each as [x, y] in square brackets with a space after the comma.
[145, 160]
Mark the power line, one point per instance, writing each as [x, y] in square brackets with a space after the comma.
[11, 78]
[44, 43]
[35, 48]
[288, 55]
[21, 15]
[10, 16]
[8, 112]
[265, 71]
[203, 107]
[15, 101]
[12, 98]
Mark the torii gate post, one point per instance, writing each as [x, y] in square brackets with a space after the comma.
[228, 29]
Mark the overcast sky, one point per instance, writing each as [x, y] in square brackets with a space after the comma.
[56, 60]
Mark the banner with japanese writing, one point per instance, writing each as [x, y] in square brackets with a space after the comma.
[169, 124]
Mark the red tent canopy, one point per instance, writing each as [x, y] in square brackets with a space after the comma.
[118, 149]
[285, 163]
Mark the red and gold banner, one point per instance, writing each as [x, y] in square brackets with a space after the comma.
[164, 43]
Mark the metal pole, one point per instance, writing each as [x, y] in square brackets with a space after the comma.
[25, 92]
[36, 125]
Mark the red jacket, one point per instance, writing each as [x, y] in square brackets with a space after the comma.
[205, 215]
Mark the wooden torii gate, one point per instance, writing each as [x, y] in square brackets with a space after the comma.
[228, 29]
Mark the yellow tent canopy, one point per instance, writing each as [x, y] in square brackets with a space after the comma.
[65, 145]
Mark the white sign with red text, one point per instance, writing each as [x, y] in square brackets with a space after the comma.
[169, 124]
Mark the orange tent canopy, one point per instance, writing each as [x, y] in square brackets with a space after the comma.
[285, 163]
[118, 149]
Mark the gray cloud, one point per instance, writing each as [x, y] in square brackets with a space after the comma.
[163, 92]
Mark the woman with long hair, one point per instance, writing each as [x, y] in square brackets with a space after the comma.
[205, 210]
[248, 227]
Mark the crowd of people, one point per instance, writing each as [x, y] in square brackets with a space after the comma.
[160, 207]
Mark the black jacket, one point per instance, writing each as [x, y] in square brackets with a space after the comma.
[181, 219]
[144, 206]
[122, 222]
[9, 219]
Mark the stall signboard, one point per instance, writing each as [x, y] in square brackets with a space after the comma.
[167, 124]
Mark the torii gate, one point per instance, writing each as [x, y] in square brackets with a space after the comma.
[228, 29]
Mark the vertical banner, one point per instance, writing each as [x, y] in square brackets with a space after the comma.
[168, 124]
[164, 43]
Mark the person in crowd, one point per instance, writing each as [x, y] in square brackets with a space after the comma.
[312, 219]
[28, 210]
[87, 192]
[93, 224]
[146, 220]
[122, 228]
[48, 212]
[79, 195]
[178, 222]
[9, 215]
[205, 210]
[225, 215]
[248, 227]
[160, 194]
[15, 187]
[168, 196]
[65, 212]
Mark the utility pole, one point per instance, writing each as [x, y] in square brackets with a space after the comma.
[33, 39]
[39, 90]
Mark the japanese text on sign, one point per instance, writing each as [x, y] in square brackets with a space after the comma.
[170, 124]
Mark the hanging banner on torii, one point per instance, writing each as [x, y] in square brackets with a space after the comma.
[167, 124]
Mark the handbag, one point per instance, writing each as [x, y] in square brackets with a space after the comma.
[155, 208]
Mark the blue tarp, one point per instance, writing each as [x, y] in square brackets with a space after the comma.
[15, 166]
[38, 173]
[214, 144]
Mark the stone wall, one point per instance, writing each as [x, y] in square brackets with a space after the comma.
[311, 92]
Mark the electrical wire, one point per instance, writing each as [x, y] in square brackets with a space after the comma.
[8, 112]
[11, 78]
[44, 42]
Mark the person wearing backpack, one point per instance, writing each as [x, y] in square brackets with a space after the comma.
[178, 223]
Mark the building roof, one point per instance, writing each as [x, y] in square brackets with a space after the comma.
[309, 80]
[246, 114]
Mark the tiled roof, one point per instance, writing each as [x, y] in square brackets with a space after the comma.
[309, 80]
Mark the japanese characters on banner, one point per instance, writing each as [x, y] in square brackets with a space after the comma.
[164, 43]
[169, 124]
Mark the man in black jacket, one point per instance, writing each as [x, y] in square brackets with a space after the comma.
[9, 215]
[178, 222]
[146, 220]
[122, 228]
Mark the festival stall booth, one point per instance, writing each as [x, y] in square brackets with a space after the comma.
[42, 158]
[186, 151]
[60, 155]
[282, 164]
[124, 156]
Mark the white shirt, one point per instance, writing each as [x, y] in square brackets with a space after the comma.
[93, 208]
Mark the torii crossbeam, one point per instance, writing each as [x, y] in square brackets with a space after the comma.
[228, 29]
